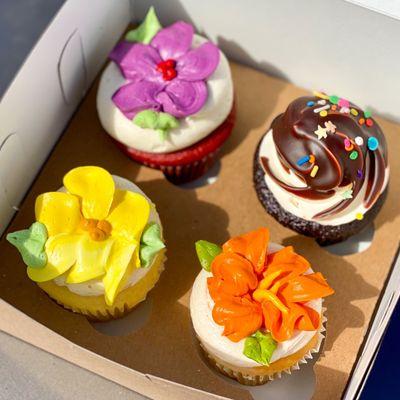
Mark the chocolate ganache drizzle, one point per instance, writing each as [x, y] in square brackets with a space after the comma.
[344, 145]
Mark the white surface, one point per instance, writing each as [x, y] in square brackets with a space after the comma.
[211, 334]
[28, 373]
[387, 7]
[191, 129]
[308, 208]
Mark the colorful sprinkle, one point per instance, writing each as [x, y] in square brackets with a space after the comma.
[322, 102]
[359, 174]
[303, 160]
[344, 103]
[367, 113]
[314, 171]
[359, 140]
[354, 112]
[348, 145]
[334, 107]
[321, 95]
[321, 132]
[359, 216]
[353, 155]
[361, 121]
[334, 99]
[312, 159]
[348, 194]
[310, 103]
[369, 122]
[345, 110]
[319, 109]
[330, 127]
[373, 143]
[323, 113]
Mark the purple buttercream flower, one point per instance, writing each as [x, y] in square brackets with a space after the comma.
[165, 75]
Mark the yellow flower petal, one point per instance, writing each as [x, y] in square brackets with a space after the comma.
[128, 215]
[95, 187]
[59, 212]
[61, 251]
[91, 260]
[119, 265]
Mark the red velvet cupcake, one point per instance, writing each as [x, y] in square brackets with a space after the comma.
[167, 99]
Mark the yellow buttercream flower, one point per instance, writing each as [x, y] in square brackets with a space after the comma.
[94, 230]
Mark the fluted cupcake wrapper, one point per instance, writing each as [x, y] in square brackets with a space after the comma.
[95, 308]
[254, 380]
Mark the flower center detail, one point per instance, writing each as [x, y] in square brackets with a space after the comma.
[98, 230]
[167, 69]
[267, 290]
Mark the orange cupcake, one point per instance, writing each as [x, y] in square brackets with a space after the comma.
[256, 307]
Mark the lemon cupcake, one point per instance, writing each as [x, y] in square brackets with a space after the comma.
[256, 307]
[96, 246]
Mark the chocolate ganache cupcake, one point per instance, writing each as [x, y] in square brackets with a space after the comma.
[322, 168]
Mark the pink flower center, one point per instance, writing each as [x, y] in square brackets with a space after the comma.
[167, 69]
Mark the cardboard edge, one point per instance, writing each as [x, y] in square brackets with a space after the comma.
[17, 324]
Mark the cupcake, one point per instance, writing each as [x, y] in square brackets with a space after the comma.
[256, 307]
[166, 98]
[96, 246]
[322, 168]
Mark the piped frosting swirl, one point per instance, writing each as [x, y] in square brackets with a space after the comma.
[329, 143]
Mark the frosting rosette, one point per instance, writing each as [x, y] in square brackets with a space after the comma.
[90, 230]
[165, 75]
[256, 306]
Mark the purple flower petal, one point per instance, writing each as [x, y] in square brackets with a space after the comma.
[136, 61]
[174, 41]
[198, 64]
[138, 96]
[182, 98]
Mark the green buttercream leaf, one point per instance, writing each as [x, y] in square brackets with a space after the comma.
[30, 243]
[206, 252]
[260, 347]
[146, 30]
[150, 244]
[159, 121]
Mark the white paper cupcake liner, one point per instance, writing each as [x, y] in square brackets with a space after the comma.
[254, 380]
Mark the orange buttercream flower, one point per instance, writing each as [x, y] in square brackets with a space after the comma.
[253, 290]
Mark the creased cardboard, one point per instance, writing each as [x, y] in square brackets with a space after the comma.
[165, 348]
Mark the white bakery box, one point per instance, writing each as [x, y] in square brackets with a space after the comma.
[337, 45]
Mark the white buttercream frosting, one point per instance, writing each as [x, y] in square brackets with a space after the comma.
[210, 333]
[191, 129]
[308, 208]
[95, 287]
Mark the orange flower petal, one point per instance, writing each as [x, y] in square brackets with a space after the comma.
[309, 321]
[305, 288]
[283, 266]
[289, 259]
[282, 325]
[236, 273]
[252, 245]
[240, 316]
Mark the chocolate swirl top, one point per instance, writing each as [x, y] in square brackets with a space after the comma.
[330, 143]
